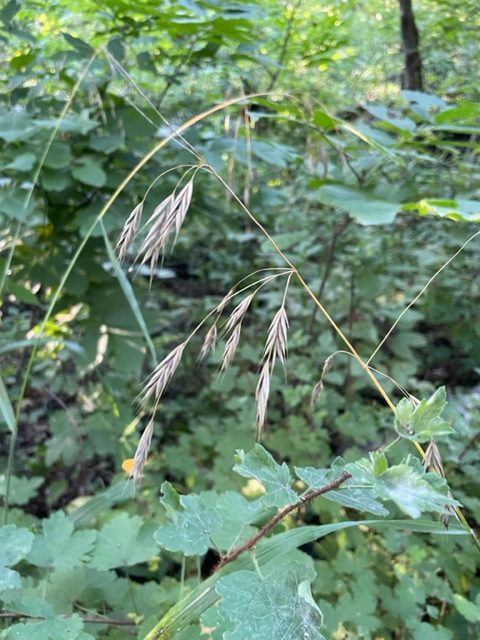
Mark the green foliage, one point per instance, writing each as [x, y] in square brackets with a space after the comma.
[369, 202]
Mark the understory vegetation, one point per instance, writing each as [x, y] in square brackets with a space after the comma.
[240, 320]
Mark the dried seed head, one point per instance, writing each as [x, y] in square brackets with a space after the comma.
[166, 220]
[276, 345]
[239, 312]
[231, 347]
[433, 459]
[261, 396]
[129, 231]
[223, 303]
[163, 373]
[327, 365]
[317, 390]
[141, 453]
[209, 342]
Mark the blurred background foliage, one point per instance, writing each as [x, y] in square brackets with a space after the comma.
[368, 189]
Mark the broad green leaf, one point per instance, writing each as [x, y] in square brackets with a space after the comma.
[237, 514]
[53, 628]
[12, 203]
[406, 484]
[79, 45]
[59, 546]
[124, 541]
[89, 172]
[9, 579]
[363, 206]
[277, 479]
[272, 550]
[275, 606]
[468, 609]
[16, 126]
[460, 209]
[422, 422]
[194, 523]
[362, 499]
[22, 489]
[23, 162]
[15, 543]
[59, 156]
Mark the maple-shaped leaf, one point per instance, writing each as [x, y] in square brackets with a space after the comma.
[277, 479]
[15, 543]
[124, 541]
[238, 515]
[407, 484]
[52, 628]
[272, 607]
[60, 546]
[195, 519]
[361, 498]
[423, 421]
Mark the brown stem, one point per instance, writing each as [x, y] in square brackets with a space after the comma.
[261, 533]
[14, 615]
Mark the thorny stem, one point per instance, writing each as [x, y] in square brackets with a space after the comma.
[267, 527]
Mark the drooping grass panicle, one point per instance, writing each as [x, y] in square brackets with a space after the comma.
[129, 231]
[209, 342]
[163, 373]
[141, 453]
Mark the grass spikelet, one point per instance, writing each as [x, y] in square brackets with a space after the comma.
[167, 219]
[261, 396]
[163, 373]
[231, 347]
[181, 205]
[318, 388]
[141, 453]
[238, 313]
[209, 342]
[276, 345]
[316, 393]
[129, 231]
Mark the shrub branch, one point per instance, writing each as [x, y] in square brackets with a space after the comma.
[268, 526]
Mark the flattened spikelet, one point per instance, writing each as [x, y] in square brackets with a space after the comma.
[238, 313]
[166, 220]
[209, 342]
[231, 347]
[317, 390]
[261, 396]
[129, 231]
[141, 453]
[276, 345]
[163, 373]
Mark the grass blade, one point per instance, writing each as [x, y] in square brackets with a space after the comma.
[129, 293]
